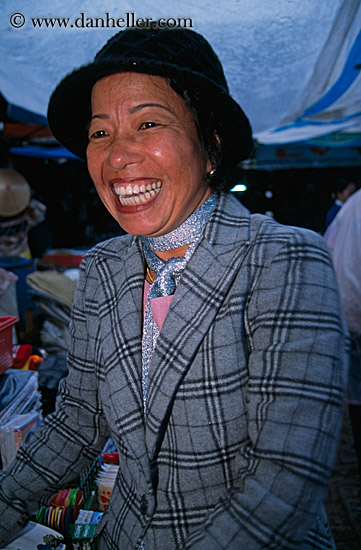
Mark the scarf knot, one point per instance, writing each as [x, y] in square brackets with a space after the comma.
[188, 233]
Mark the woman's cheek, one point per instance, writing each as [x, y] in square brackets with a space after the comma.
[95, 169]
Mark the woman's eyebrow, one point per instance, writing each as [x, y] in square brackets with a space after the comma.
[135, 109]
[144, 105]
[99, 116]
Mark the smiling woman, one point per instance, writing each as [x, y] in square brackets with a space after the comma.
[207, 342]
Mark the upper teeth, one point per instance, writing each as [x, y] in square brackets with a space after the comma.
[129, 190]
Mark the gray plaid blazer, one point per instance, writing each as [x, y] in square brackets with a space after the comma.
[244, 396]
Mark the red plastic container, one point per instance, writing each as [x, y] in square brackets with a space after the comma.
[6, 342]
[64, 257]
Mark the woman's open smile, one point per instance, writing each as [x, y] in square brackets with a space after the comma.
[136, 192]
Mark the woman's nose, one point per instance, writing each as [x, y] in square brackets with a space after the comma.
[123, 152]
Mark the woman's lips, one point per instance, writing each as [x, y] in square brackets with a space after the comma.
[136, 192]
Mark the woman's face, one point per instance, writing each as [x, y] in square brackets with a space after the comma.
[144, 154]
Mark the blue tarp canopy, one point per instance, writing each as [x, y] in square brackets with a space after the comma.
[293, 66]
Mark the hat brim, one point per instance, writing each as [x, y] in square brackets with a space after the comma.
[69, 108]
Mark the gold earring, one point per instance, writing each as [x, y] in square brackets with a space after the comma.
[211, 172]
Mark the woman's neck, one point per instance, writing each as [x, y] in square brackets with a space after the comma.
[174, 253]
[165, 255]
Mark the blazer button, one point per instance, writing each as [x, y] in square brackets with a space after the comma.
[143, 505]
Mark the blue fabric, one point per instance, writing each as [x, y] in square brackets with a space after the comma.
[332, 213]
[346, 79]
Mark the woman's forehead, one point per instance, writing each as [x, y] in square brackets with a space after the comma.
[127, 93]
[134, 85]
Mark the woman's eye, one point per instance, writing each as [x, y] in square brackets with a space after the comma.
[98, 134]
[147, 125]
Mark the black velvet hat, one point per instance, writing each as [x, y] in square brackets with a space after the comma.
[181, 55]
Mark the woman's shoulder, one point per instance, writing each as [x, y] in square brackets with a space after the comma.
[264, 226]
[265, 236]
[112, 245]
[259, 228]
[110, 248]
[277, 241]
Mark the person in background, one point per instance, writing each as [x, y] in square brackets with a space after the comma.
[344, 190]
[19, 215]
[344, 240]
[207, 342]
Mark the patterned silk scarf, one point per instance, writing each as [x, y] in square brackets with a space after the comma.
[169, 273]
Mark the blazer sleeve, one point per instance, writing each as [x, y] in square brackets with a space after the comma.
[297, 372]
[70, 439]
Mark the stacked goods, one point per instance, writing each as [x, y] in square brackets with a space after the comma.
[61, 510]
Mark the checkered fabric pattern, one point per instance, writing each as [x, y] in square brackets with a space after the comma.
[244, 396]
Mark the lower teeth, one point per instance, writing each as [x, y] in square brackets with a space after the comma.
[137, 199]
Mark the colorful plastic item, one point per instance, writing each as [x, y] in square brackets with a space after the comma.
[6, 342]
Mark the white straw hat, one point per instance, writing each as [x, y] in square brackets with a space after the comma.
[15, 192]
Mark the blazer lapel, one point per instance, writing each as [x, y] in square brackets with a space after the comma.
[198, 297]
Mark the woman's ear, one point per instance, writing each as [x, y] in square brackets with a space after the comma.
[213, 155]
[209, 168]
[217, 139]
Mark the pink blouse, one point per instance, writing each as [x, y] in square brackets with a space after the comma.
[159, 306]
